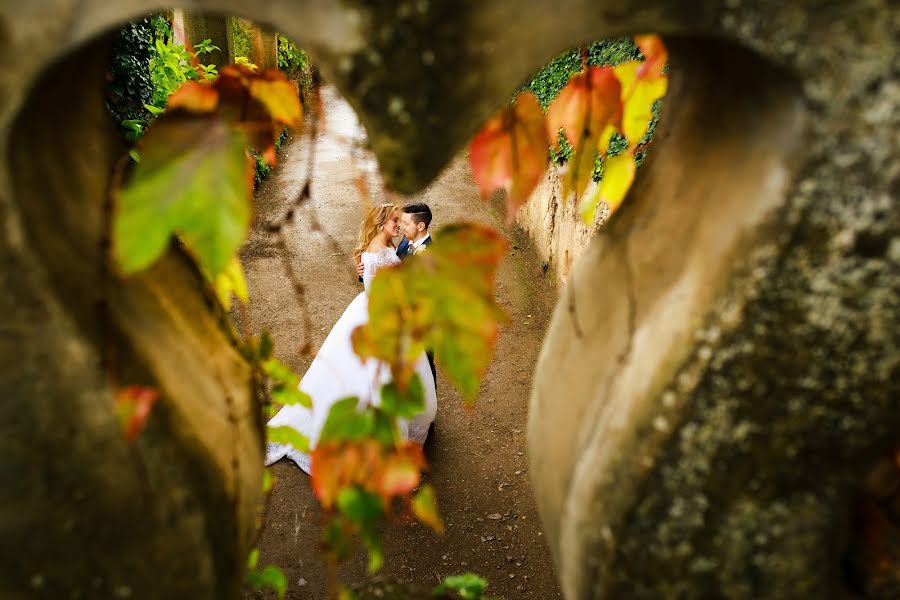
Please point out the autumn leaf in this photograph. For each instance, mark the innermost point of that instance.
(231, 283)
(194, 97)
(132, 406)
(384, 470)
(401, 470)
(279, 96)
(587, 110)
(655, 56)
(194, 179)
(586, 105)
(424, 506)
(510, 152)
(441, 299)
(618, 175)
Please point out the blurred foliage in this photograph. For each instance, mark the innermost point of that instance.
(241, 37)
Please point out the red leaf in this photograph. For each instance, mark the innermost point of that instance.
(589, 102)
(510, 152)
(384, 471)
(133, 404)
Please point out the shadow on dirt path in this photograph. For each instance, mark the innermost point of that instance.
(478, 456)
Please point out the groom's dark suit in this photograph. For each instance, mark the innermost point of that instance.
(405, 249)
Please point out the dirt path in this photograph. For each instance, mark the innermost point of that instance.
(477, 456)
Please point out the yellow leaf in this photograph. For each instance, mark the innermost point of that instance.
(637, 113)
(280, 98)
(627, 74)
(231, 282)
(424, 506)
(618, 174)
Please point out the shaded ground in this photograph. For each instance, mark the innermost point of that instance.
(478, 456)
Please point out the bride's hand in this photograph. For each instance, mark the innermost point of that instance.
(360, 268)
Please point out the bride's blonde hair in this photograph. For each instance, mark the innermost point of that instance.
(372, 225)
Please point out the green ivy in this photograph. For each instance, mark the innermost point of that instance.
(129, 85)
(549, 81)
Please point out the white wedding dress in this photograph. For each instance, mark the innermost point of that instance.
(337, 372)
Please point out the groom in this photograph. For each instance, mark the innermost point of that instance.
(414, 224)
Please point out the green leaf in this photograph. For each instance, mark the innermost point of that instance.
(372, 541)
(345, 423)
(231, 282)
(268, 481)
(253, 559)
(284, 434)
(271, 577)
(384, 429)
(360, 506)
(194, 181)
(403, 403)
(285, 389)
(155, 110)
(337, 539)
(443, 299)
(266, 345)
(135, 156)
(468, 585)
(424, 506)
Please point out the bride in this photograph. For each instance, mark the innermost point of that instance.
(337, 372)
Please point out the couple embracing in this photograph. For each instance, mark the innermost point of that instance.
(337, 372)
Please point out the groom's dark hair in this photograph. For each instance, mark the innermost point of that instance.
(420, 213)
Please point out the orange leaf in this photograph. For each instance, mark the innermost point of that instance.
(279, 96)
(133, 404)
(402, 471)
(194, 97)
(384, 471)
(655, 56)
(589, 102)
(510, 152)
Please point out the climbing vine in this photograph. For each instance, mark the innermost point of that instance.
(597, 106)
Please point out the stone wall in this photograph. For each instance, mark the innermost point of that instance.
(555, 225)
